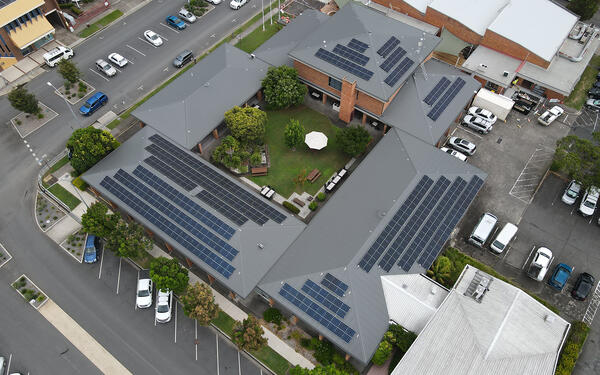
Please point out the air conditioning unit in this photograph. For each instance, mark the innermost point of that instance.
(505, 74)
(482, 67)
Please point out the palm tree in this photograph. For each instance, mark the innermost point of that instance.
(440, 270)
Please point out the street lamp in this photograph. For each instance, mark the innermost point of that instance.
(66, 102)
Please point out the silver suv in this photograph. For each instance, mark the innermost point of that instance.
(462, 145)
(477, 123)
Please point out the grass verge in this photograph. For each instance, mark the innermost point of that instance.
(58, 165)
(63, 194)
(224, 322)
(257, 37)
(100, 24)
(578, 96)
(272, 360)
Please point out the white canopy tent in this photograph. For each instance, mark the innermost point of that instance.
(315, 140)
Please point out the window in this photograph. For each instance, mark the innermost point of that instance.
(334, 83)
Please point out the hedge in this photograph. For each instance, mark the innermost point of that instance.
(272, 315)
(79, 183)
(313, 205)
(321, 197)
(291, 207)
(572, 348)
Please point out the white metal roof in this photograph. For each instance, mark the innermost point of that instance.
(477, 15)
(420, 5)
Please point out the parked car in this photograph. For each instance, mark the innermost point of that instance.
(93, 103)
(503, 238)
(237, 4)
(550, 115)
(571, 192)
(143, 297)
(483, 229)
(175, 22)
(54, 56)
(456, 154)
(583, 286)
(90, 254)
(2, 365)
(484, 114)
(594, 93)
(477, 123)
(540, 263)
(162, 312)
(104, 67)
(153, 38)
(593, 104)
(186, 15)
(215, 2)
(559, 277)
(522, 107)
(462, 145)
(117, 59)
(589, 201)
(183, 58)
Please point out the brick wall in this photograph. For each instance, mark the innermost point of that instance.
(500, 43)
(348, 99)
(402, 7)
(9, 43)
(314, 76)
(369, 103)
(440, 20)
(554, 95)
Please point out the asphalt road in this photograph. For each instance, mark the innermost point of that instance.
(110, 318)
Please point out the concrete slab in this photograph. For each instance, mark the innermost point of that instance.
(104, 120)
(27, 64)
(61, 230)
(37, 56)
(11, 74)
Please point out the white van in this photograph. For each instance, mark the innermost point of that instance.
(503, 238)
(483, 229)
(54, 56)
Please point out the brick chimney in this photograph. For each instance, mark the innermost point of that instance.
(347, 100)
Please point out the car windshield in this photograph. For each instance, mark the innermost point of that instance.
(589, 204)
(143, 293)
(106, 67)
(153, 36)
(87, 105)
(497, 244)
(162, 308)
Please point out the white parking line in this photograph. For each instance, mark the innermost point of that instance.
(8, 366)
(470, 132)
(144, 40)
(9, 256)
(101, 262)
(239, 364)
(136, 49)
(217, 339)
(162, 37)
(196, 338)
(176, 304)
(119, 275)
(100, 75)
(170, 28)
(136, 283)
(117, 70)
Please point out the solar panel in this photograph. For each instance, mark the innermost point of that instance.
(166, 208)
(227, 186)
(174, 176)
(441, 105)
(388, 47)
(435, 93)
(170, 229)
(357, 45)
(398, 72)
(456, 212)
(334, 284)
(184, 202)
(221, 207)
(325, 298)
(393, 226)
(393, 59)
(412, 225)
(351, 54)
(319, 314)
(344, 64)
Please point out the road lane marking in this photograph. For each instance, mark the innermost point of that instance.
(239, 364)
(217, 340)
(100, 75)
(8, 367)
(196, 337)
(101, 262)
(6, 252)
(176, 321)
(136, 49)
(119, 275)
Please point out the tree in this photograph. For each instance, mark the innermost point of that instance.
(23, 100)
(382, 353)
(128, 240)
(199, 303)
(318, 370)
(584, 8)
(69, 71)
(248, 334)
(168, 274)
(88, 146)
(294, 134)
(440, 270)
(246, 124)
(282, 87)
(353, 140)
(256, 159)
(228, 153)
(97, 221)
(579, 158)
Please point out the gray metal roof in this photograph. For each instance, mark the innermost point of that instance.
(250, 264)
(351, 221)
(275, 50)
(356, 21)
(408, 111)
(508, 333)
(194, 104)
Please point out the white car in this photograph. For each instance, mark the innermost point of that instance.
(540, 264)
(593, 104)
(462, 145)
(237, 4)
(153, 38)
(105, 68)
(456, 154)
(477, 123)
(162, 312)
(571, 192)
(187, 16)
(484, 114)
(589, 201)
(117, 59)
(215, 2)
(143, 297)
(550, 115)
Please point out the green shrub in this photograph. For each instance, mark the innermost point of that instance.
(272, 315)
(82, 86)
(79, 183)
(40, 115)
(305, 343)
(382, 353)
(396, 357)
(324, 352)
(572, 348)
(321, 197)
(76, 11)
(313, 205)
(291, 207)
(555, 166)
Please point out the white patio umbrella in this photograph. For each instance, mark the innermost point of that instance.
(315, 140)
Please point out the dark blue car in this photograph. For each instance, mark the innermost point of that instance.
(89, 254)
(175, 22)
(93, 103)
(561, 274)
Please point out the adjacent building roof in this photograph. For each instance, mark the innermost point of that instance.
(194, 104)
(408, 110)
(365, 46)
(16, 8)
(218, 223)
(424, 26)
(28, 33)
(391, 216)
(507, 332)
(420, 5)
(475, 14)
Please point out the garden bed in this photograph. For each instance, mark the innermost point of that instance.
(4, 256)
(291, 335)
(75, 92)
(75, 244)
(25, 123)
(46, 212)
(30, 292)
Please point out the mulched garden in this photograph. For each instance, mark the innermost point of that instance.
(29, 291)
(74, 244)
(46, 212)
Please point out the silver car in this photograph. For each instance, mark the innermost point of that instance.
(462, 145)
(105, 68)
(571, 192)
(477, 123)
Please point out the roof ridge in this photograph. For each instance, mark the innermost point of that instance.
(502, 324)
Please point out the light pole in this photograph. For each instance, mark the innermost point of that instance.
(66, 102)
(262, 4)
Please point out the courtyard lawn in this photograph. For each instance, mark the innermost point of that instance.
(64, 195)
(578, 96)
(257, 37)
(286, 164)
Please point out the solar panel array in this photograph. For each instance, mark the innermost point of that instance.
(398, 72)
(435, 93)
(351, 54)
(170, 229)
(221, 207)
(318, 313)
(174, 176)
(334, 284)
(325, 298)
(357, 45)
(446, 98)
(393, 59)
(393, 226)
(388, 46)
(344, 64)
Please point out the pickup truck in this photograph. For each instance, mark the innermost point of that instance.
(540, 263)
(550, 115)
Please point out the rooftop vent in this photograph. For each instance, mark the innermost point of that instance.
(260, 246)
(479, 286)
(252, 55)
(549, 318)
(482, 67)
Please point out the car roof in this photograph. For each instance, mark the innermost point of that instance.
(143, 282)
(96, 96)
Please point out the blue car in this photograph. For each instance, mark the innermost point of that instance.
(93, 103)
(175, 22)
(559, 277)
(89, 254)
